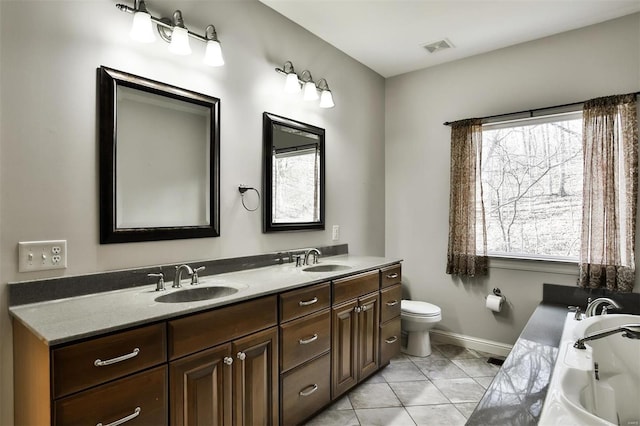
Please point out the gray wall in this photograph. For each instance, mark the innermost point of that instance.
(49, 52)
(574, 66)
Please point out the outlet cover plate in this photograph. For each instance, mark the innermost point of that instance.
(42, 255)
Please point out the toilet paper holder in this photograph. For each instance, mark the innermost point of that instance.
(496, 292)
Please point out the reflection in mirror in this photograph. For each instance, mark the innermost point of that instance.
(293, 175)
(159, 160)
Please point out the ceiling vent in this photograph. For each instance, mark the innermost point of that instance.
(438, 46)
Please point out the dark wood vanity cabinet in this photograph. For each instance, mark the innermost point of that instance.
(305, 333)
(272, 360)
(355, 329)
(233, 382)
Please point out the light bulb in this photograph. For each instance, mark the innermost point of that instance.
(213, 54)
(292, 86)
(142, 29)
(180, 42)
(326, 99)
(310, 91)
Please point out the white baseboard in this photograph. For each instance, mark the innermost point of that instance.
(489, 346)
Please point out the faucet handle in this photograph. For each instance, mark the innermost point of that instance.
(194, 278)
(576, 309)
(160, 283)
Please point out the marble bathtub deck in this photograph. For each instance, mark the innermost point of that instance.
(442, 389)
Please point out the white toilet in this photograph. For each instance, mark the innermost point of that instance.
(417, 319)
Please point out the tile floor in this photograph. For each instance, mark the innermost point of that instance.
(442, 389)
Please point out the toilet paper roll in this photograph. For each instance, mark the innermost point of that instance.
(494, 303)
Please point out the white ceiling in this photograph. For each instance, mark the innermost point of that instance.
(388, 35)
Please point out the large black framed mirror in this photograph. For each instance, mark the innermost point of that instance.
(159, 160)
(293, 181)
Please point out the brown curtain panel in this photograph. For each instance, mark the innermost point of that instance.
(610, 192)
(465, 257)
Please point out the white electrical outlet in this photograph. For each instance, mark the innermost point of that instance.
(335, 236)
(42, 255)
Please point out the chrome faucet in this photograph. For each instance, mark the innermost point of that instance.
(631, 331)
(178, 276)
(593, 305)
(316, 255)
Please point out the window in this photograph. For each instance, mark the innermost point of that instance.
(532, 187)
(294, 172)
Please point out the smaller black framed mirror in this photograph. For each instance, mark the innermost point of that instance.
(293, 180)
(159, 160)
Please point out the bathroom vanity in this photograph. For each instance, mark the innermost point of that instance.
(275, 352)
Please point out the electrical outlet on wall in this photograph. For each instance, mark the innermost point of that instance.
(335, 234)
(42, 255)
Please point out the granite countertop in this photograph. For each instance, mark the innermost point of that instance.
(65, 320)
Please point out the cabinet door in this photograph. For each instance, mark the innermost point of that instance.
(255, 382)
(368, 334)
(200, 388)
(344, 325)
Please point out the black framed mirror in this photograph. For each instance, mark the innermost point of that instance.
(159, 160)
(293, 180)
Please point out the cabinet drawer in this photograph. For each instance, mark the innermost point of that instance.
(305, 338)
(390, 302)
(391, 275)
(99, 360)
(297, 303)
(141, 397)
(389, 340)
(200, 331)
(355, 286)
(305, 390)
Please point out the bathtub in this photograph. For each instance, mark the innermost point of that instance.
(575, 396)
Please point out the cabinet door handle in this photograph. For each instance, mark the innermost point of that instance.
(391, 339)
(309, 390)
(308, 302)
(99, 363)
(392, 303)
(131, 416)
(309, 340)
(357, 309)
(241, 356)
(228, 360)
(392, 276)
(364, 308)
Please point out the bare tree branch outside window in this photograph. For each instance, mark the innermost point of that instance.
(532, 177)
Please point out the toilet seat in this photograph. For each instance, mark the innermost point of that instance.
(419, 309)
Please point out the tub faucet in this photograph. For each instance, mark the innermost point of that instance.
(630, 331)
(178, 276)
(593, 305)
(316, 255)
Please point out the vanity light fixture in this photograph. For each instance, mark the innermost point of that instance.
(326, 98)
(291, 84)
(173, 31)
(310, 89)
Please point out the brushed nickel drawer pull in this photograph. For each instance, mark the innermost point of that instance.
(309, 390)
(391, 339)
(132, 416)
(100, 363)
(308, 302)
(392, 303)
(309, 340)
(392, 276)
